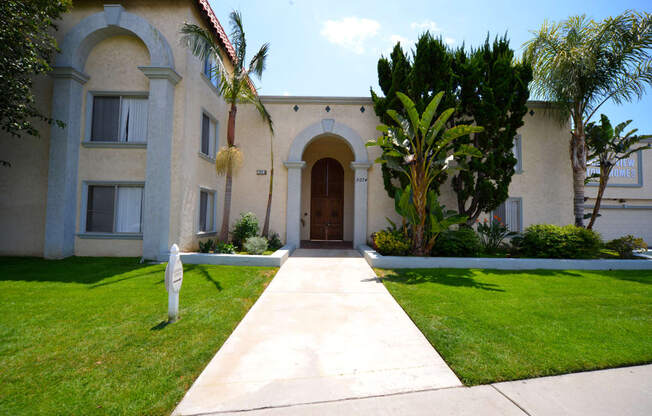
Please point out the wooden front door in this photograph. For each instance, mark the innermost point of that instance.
(327, 200)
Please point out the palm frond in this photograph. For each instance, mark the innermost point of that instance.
(200, 42)
(257, 64)
(238, 39)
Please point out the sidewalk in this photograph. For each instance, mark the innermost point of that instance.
(324, 330)
(615, 392)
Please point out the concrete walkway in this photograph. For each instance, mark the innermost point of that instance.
(325, 330)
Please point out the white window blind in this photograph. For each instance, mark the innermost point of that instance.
(133, 119)
(517, 151)
(128, 217)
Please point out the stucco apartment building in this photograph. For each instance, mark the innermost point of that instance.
(133, 171)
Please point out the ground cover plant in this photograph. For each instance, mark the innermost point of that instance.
(492, 325)
(88, 336)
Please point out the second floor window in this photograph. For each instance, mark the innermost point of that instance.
(119, 119)
(210, 71)
(208, 136)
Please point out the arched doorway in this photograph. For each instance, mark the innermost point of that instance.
(327, 200)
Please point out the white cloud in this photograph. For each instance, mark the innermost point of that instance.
(449, 41)
(425, 25)
(350, 32)
(405, 42)
(286, 93)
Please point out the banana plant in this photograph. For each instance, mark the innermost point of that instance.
(422, 150)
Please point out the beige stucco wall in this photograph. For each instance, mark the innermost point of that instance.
(23, 186)
(327, 146)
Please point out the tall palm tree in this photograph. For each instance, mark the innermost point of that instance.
(580, 64)
(235, 87)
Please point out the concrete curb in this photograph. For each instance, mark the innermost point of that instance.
(408, 262)
(276, 259)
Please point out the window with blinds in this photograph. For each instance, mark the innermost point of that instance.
(114, 209)
(119, 119)
(510, 213)
(208, 136)
(206, 211)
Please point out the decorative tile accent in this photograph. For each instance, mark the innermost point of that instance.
(327, 124)
(362, 109)
(295, 108)
(328, 109)
(532, 112)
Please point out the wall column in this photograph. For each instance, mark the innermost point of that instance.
(158, 173)
(61, 210)
(293, 209)
(360, 203)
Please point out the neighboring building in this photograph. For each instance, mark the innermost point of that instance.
(133, 171)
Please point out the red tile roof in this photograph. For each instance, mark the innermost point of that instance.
(205, 7)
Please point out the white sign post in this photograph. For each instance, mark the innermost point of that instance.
(173, 280)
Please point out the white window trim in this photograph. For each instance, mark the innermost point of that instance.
(213, 123)
(82, 233)
(88, 123)
(213, 193)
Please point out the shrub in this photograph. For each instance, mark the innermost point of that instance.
(391, 243)
(553, 241)
(274, 242)
(246, 226)
(625, 246)
(206, 246)
(492, 233)
(458, 243)
(255, 245)
(224, 248)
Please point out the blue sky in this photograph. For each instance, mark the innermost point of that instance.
(332, 47)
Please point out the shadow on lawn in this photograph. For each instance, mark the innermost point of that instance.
(448, 277)
(202, 271)
(85, 270)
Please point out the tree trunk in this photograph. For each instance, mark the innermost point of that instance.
(228, 187)
(604, 177)
(265, 232)
(578, 163)
(224, 232)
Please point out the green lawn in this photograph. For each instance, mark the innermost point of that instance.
(492, 325)
(88, 335)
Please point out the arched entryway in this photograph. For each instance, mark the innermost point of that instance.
(327, 200)
(355, 167)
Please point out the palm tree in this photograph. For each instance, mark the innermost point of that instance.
(235, 87)
(580, 64)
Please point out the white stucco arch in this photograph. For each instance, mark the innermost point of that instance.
(113, 21)
(69, 80)
(295, 164)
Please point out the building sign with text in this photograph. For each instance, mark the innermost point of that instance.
(627, 172)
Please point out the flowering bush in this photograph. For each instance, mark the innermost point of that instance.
(492, 233)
